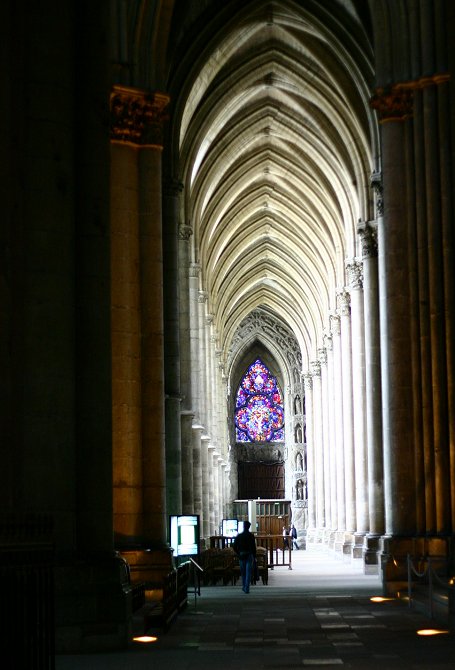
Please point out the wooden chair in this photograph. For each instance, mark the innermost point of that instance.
(262, 563)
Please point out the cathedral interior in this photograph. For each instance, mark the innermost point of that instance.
(227, 275)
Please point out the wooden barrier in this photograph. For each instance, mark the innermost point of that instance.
(161, 613)
(278, 555)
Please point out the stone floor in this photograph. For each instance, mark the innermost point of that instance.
(317, 615)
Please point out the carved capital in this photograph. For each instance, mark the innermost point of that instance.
(335, 324)
(354, 273)
(344, 302)
(369, 239)
(203, 296)
(322, 355)
(328, 341)
(376, 184)
(194, 269)
(185, 231)
(315, 367)
(393, 103)
(137, 116)
(307, 381)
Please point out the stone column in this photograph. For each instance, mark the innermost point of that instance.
(173, 297)
(152, 374)
(223, 466)
(185, 232)
(197, 472)
(311, 491)
(322, 358)
(137, 121)
(202, 300)
(394, 107)
(346, 369)
(219, 493)
(212, 379)
(126, 347)
(318, 442)
(194, 370)
(211, 487)
(331, 433)
(438, 284)
(368, 235)
(354, 272)
(335, 330)
(205, 441)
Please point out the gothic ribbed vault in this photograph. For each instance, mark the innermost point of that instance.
(275, 135)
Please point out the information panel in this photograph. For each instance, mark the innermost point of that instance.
(230, 527)
(184, 534)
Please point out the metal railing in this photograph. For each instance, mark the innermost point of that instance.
(427, 570)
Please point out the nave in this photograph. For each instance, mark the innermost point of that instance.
(319, 614)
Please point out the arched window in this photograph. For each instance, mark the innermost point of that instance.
(259, 413)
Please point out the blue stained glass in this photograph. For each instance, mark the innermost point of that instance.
(259, 415)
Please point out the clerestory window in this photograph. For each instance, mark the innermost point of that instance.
(259, 413)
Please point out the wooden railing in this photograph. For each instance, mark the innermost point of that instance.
(161, 614)
(278, 555)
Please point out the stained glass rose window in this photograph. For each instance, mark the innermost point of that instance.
(259, 414)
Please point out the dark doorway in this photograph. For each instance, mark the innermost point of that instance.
(260, 480)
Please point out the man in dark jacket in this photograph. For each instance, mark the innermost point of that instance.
(245, 547)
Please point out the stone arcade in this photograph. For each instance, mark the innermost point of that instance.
(190, 186)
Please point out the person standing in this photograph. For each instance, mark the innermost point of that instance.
(294, 537)
(244, 546)
(285, 538)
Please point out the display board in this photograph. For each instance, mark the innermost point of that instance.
(230, 527)
(184, 534)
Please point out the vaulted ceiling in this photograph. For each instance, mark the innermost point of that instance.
(276, 144)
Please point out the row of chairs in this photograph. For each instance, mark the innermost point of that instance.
(222, 566)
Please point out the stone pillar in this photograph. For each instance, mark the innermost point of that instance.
(331, 433)
(346, 368)
(224, 499)
(211, 487)
(212, 378)
(152, 374)
(205, 441)
(173, 297)
(185, 232)
(217, 496)
(202, 301)
(318, 442)
(438, 284)
(354, 272)
(395, 316)
(311, 490)
(322, 357)
(137, 121)
(335, 330)
(197, 473)
(126, 347)
(195, 366)
(368, 235)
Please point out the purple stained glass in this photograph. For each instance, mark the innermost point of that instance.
(259, 415)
